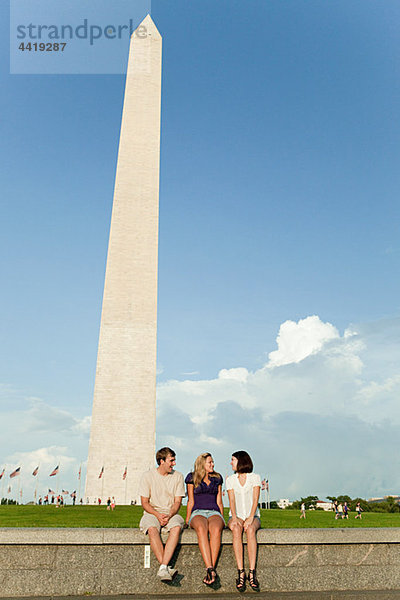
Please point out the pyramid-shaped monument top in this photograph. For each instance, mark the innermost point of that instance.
(149, 26)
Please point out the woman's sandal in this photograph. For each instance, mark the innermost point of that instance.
(210, 577)
(253, 581)
(241, 580)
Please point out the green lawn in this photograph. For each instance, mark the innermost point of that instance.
(129, 516)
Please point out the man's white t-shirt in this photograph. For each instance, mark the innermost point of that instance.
(161, 489)
(243, 493)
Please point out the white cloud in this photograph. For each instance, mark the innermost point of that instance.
(321, 415)
(238, 374)
(298, 340)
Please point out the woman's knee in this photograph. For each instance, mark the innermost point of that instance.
(251, 530)
(215, 529)
(199, 524)
(236, 528)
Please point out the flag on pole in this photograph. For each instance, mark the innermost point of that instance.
(51, 491)
(125, 473)
(9, 489)
(16, 472)
(2, 473)
(35, 472)
(267, 485)
(263, 484)
(73, 494)
(54, 472)
(101, 472)
(64, 491)
(79, 474)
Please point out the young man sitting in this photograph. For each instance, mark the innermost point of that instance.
(161, 490)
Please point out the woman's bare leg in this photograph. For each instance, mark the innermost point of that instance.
(237, 535)
(252, 543)
(215, 527)
(200, 525)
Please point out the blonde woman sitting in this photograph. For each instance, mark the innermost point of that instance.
(244, 491)
(205, 511)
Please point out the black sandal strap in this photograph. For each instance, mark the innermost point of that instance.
(253, 581)
(241, 580)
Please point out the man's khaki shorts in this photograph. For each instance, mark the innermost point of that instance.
(149, 520)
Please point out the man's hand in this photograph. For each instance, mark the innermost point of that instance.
(163, 519)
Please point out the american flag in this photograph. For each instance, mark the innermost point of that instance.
(101, 472)
(2, 473)
(9, 489)
(16, 472)
(263, 484)
(125, 473)
(72, 494)
(35, 472)
(79, 474)
(267, 485)
(51, 491)
(54, 472)
(64, 491)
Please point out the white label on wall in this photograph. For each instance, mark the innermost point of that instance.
(147, 557)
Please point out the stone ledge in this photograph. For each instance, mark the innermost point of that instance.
(94, 536)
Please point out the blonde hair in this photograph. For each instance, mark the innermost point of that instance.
(199, 470)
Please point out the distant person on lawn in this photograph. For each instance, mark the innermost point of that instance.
(161, 491)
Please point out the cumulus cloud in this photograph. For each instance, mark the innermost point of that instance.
(37, 433)
(298, 340)
(320, 416)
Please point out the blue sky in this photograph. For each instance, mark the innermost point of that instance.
(279, 233)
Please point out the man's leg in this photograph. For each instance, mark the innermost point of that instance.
(171, 544)
(156, 544)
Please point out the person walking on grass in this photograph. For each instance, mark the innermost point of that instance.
(161, 491)
(243, 489)
(205, 511)
(335, 506)
(302, 511)
(358, 511)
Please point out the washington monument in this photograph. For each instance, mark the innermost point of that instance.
(122, 438)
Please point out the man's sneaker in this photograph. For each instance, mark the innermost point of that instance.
(172, 571)
(164, 574)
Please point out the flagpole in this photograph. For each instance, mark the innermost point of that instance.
(36, 485)
(2, 483)
(126, 482)
(102, 485)
(79, 478)
(19, 488)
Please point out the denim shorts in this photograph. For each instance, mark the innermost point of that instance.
(205, 513)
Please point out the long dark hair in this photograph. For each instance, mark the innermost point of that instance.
(244, 462)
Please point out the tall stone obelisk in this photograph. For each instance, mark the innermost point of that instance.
(122, 438)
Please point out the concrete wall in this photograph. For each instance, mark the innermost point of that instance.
(43, 562)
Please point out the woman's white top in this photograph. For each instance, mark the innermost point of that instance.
(243, 493)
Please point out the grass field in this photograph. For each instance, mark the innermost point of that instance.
(129, 516)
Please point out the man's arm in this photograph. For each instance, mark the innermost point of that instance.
(163, 519)
(175, 507)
